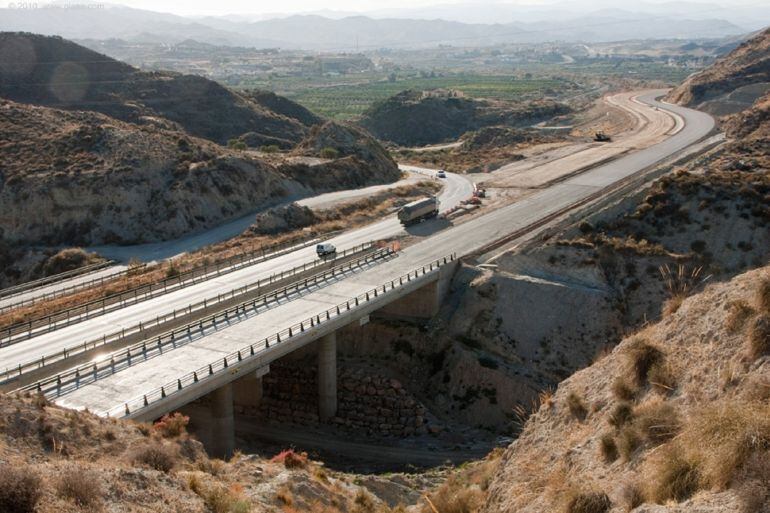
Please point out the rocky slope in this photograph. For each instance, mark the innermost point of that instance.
(55, 72)
(733, 82)
(413, 118)
(71, 177)
(675, 418)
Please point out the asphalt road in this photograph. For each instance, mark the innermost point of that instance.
(456, 188)
(441, 239)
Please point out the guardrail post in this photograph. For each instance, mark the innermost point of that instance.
(195, 376)
(179, 384)
(163, 392)
(328, 315)
(211, 370)
(128, 412)
(145, 400)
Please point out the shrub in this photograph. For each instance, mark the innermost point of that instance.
(737, 314)
(628, 441)
(661, 377)
(591, 502)
(329, 153)
(608, 448)
(576, 406)
(641, 358)
(291, 459)
(219, 499)
(763, 294)
(235, 144)
(631, 496)
(20, 489)
(269, 148)
(675, 477)
(658, 421)
(622, 389)
(455, 500)
(155, 456)
(759, 337)
(621, 415)
(81, 486)
(172, 426)
(363, 502)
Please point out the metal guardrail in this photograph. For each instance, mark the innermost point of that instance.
(18, 371)
(206, 372)
(98, 307)
(41, 282)
(163, 341)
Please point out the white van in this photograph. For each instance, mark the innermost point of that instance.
(325, 248)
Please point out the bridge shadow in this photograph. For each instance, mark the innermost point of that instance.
(428, 228)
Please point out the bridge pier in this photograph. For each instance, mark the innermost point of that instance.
(222, 439)
(247, 391)
(327, 376)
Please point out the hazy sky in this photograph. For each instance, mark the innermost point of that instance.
(222, 7)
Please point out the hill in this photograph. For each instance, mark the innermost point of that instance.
(733, 83)
(57, 73)
(95, 179)
(677, 415)
(413, 118)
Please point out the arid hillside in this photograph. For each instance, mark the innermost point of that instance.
(94, 179)
(733, 82)
(413, 118)
(55, 72)
(675, 418)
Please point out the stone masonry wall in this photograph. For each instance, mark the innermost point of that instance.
(370, 403)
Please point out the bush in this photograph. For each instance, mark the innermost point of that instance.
(658, 421)
(235, 144)
(172, 426)
(592, 502)
(759, 337)
(291, 459)
(219, 499)
(81, 486)
(763, 294)
(628, 441)
(20, 489)
(675, 478)
(621, 415)
(641, 358)
(270, 148)
(155, 456)
(576, 406)
(737, 314)
(608, 448)
(622, 389)
(632, 496)
(329, 153)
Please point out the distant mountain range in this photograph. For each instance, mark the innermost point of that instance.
(314, 32)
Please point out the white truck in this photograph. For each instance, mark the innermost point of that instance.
(418, 211)
(325, 249)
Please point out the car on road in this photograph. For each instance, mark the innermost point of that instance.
(325, 249)
(441, 173)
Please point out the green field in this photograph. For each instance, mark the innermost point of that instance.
(348, 96)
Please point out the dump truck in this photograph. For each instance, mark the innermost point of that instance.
(418, 211)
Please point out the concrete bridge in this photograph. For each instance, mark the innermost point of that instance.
(224, 357)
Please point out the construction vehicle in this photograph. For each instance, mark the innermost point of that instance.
(418, 211)
(601, 137)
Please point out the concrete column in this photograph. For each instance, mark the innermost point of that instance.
(222, 423)
(327, 377)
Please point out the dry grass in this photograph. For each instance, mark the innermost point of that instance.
(589, 502)
(631, 496)
(284, 496)
(20, 489)
(738, 312)
(155, 456)
(576, 406)
(676, 477)
(657, 420)
(172, 425)
(758, 341)
(763, 295)
(621, 415)
(291, 459)
(219, 499)
(640, 358)
(464, 491)
(623, 390)
(629, 440)
(680, 283)
(80, 486)
(608, 448)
